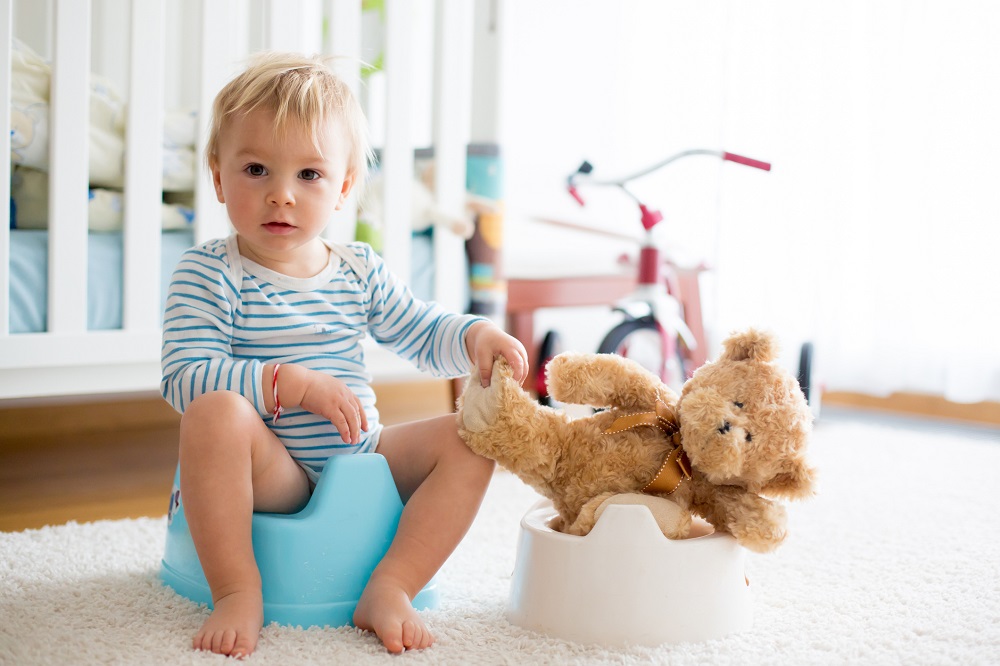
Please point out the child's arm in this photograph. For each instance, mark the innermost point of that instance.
(485, 341)
(423, 333)
(319, 393)
(197, 355)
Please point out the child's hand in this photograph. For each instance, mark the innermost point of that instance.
(324, 395)
(485, 342)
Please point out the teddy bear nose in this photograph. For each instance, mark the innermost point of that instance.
(725, 428)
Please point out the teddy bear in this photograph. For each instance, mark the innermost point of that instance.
(425, 211)
(727, 449)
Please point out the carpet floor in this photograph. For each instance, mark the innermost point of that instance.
(894, 561)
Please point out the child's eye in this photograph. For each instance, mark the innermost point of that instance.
(255, 170)
(309, 174)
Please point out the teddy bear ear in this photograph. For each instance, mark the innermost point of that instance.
(750, 345)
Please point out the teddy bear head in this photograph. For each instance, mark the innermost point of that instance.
(744, 421)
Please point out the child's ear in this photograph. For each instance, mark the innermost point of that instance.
(345, 188)
(217, 181)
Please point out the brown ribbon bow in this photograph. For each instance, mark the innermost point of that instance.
(676, 468)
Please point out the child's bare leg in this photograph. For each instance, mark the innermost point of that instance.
(231, 464)
(442, 484)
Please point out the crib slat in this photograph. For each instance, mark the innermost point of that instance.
(343, 36)
(293, 26)
(452, 118)
(68, 175)
(6, 42)
(397, 155)
(218, 62)
(144, 166)
(343, 39)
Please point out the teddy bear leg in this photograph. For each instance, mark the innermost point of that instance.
(604, 380)
(586, 518)
(480, 408)
(673, 521)
(502, 422)
(556, 523)
(501, 404)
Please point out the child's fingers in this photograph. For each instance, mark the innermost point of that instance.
(522, 371)
(518, 360)
(340, 422)
(362, 417)
(485, 362)
(348, 423)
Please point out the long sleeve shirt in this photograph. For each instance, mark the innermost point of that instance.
(227, 316)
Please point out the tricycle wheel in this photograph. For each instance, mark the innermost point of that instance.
(551, 345)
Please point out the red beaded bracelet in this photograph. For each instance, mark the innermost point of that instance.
(278, 410)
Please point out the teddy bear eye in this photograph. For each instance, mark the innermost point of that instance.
(749, 438)
(739, 404)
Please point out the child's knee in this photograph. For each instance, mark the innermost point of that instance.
(216, 406)
(215, 417)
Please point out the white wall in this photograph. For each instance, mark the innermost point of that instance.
(617, 88)
(875, 234)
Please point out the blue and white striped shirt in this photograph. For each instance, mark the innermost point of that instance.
(227, 316)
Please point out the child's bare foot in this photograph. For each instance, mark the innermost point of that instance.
(386, 609)
(234, 625)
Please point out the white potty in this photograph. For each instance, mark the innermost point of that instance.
(627, 584)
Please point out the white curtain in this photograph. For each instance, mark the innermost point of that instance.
(875, 236)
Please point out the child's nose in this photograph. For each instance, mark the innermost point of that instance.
(281, 195)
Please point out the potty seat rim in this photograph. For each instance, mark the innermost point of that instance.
(535, 519)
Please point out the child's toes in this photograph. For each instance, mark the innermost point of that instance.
(410, 635)
(416, 636)
(392, 637)
(426, 638)
(226, 642)
(203, 641)
(243, 647)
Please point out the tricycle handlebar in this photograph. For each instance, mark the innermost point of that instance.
(748, 161)
(582, 174)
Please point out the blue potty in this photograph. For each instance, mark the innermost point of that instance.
(313, 564)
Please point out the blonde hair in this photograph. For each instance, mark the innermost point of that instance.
(297, 89)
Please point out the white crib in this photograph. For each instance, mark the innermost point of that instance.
(67, 359)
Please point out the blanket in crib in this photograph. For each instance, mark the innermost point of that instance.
(29, 205)
(30, 84)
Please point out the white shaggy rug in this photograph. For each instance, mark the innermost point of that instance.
(897, 560)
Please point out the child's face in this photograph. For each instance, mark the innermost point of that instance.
(280, 191)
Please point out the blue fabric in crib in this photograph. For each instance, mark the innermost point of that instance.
(29, 265)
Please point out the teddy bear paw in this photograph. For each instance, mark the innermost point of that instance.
(480, 405)
(761, 538)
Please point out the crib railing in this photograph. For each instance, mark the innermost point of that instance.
(6, 31)
(67, 359)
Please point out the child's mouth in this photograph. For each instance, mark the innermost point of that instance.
(279, 227)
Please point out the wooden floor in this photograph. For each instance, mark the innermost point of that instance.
(926, 406)
(88, 476)
(117, 459)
